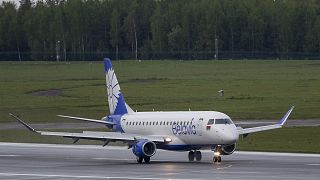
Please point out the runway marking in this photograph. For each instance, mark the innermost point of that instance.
(226, 167)
(9, 155)
(313, 164)
(276, 154)
(113, 159)
(74, 176)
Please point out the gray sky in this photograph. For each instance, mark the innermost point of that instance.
(16, 1)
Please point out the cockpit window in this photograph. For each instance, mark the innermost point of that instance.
(211, 121)
(223, 121)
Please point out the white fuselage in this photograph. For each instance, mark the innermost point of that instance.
(183, 128)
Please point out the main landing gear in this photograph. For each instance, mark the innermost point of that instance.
(146, 160)
(195, 155)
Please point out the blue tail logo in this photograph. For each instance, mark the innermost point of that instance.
(117, 105)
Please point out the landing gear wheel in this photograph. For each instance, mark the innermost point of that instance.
(191, 156)
(216, 159)
(139, 160)
(147, 160)
(198, 155)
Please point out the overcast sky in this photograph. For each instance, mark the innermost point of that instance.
(16, 1)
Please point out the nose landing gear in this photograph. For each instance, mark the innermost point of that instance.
(217, 155)
(195, 155)
(216, 159)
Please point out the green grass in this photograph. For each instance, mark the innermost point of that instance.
(297, 139)
(253, 89)
(288, 139)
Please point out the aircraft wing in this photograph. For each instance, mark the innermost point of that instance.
(93, 135)
(247, 131)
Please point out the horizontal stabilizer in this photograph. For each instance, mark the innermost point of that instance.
(87, 119)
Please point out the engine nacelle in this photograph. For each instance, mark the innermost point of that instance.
(144, 148)
(228, 149)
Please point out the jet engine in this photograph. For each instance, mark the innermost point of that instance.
(227, 149)
(144, 148)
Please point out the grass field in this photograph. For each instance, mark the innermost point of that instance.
(253, 89)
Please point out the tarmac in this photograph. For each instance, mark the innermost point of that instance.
(47, 161)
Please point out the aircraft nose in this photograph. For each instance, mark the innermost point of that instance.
(230, 136)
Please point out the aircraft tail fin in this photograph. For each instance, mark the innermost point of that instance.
(117, 104)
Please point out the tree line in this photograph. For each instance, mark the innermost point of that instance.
(159, 29)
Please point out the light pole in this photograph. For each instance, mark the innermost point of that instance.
(216, 45)
(58, 50)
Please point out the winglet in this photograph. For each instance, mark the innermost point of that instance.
(23, 123)
(285, 117)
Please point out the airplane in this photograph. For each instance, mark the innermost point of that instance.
(145, 132)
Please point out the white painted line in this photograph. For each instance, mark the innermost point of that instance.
(8, 155)
(276, 154)
(113, 159)
(72, 176)
(225, 167)
(313, 164)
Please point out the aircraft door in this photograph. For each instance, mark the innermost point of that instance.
(199, 126)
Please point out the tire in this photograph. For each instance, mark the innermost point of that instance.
(147, 160)
(191, 156)
(139, 160)
(198, 155)
(215, 159)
